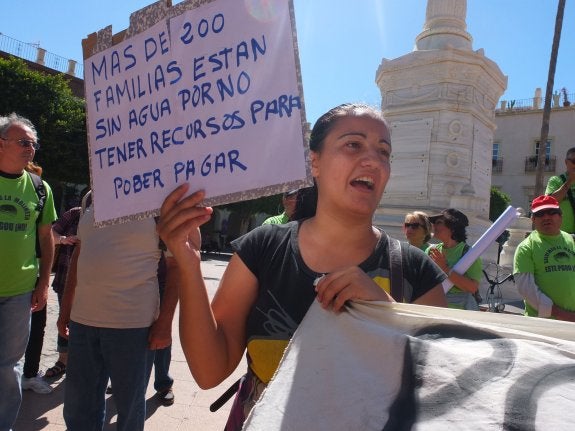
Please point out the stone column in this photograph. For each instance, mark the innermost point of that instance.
(71, 67)
(440, 100)
(40, 55)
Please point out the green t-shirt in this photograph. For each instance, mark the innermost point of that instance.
(18, 262)
(475, 271)
(568, 224)
(551, 260)
(279, 219)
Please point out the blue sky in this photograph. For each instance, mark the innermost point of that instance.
(342, 42)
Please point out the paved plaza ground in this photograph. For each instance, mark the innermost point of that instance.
(190, 410)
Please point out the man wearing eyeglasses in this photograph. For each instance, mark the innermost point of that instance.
(544, 264)
(24, 277)
(562, 188)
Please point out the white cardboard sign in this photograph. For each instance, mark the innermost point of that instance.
(211, 97)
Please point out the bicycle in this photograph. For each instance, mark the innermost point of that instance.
(494, 296)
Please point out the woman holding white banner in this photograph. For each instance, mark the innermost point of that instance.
(277, 271)
(449, 228)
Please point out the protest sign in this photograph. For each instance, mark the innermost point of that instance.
(208, 95)
(382, 366)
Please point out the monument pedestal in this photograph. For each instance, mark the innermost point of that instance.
(440, 103)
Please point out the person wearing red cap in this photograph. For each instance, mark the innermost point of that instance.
(562, 188)
(544, 264)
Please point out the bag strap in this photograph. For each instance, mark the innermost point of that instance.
(395, 268)
(41, 193)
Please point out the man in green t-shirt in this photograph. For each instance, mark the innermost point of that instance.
(562, 188)
(24, 276)
(289, 200)
(544, 264)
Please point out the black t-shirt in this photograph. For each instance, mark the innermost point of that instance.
(286, 290)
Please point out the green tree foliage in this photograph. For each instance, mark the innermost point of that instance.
(499, 201)
(58, 115)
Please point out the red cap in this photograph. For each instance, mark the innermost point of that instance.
(544, 202)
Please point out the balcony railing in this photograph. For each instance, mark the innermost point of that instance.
(558, 100)
(497, 165)
(531, 163)
(33, 52)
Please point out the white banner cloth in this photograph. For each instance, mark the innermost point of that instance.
(384, 366)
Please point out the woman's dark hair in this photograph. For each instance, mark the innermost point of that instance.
(458, 232)
(306, 203)
(326, 122)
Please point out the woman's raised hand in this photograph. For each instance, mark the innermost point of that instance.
(180, 221)
(439, 258)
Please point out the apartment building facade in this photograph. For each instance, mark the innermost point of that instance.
(516, 145)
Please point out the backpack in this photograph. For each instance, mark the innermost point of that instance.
(41, 193)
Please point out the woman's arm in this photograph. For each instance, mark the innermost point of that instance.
(68, 294)
(212, 335)
(462, 281)
(435, 297)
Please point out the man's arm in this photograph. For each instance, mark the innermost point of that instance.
(542, 303)
(529, 290)
(161, 330)
(68, 294)
(562, 314)
(560, 193)
(40, 294)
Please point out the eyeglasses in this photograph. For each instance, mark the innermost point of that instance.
(551, 212)
(24, 143)
(411, 225)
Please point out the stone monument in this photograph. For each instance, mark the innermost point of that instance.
(440, 102)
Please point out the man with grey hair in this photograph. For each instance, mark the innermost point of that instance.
(26, 253)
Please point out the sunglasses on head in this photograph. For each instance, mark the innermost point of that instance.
(551, 211)
(411, 225)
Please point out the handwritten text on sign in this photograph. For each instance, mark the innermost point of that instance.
(210, 97)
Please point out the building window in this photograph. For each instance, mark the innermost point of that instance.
(496, 160)
(549, 161)
(547, 149)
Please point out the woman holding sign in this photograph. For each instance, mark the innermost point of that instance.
(277, 271)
